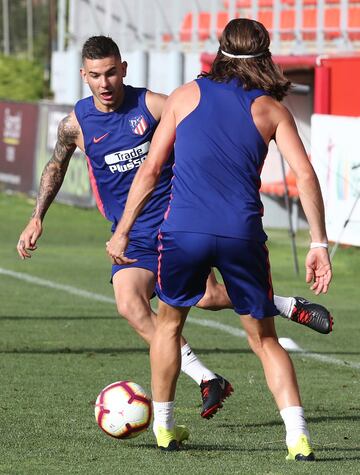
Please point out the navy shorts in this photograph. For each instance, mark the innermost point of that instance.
(144, 249)
(185, 261)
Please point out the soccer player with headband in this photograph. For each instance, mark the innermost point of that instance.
(221, 125)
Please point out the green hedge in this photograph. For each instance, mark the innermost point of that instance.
(20, 79)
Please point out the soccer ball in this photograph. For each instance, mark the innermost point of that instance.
(123, 410)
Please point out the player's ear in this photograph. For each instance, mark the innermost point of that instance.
(83, 75)
(124, 65)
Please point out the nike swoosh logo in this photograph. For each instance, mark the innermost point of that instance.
(98, 139)
(222, 383)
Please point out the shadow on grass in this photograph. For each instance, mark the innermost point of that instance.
(334, 457)
(327, 352)
(338, 459)
(273, 449)
(50, 318)
(205, 351)
(104, 351)
(218, 448)
(355, 417)
(73, 351)
(280, 423)
(199, 351)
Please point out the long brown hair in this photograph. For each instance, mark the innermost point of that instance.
(248, 37)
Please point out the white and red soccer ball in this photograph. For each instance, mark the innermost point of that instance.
(123, 410)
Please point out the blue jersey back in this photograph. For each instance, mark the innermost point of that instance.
(219, 154)
(116, 143)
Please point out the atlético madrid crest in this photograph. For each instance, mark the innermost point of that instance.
(138, 125)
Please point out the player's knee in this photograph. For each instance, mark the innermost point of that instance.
(125, 308)
(207, 301)
(254, 343)
(169, 325)
(261, 344)
(215, 298)
(257, 343)
(171, 328)
(136, 314)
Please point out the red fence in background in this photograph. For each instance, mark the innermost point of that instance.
(331, 28)
(17, 146)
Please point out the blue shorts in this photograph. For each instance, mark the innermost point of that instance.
(144, 249)
(185, 261)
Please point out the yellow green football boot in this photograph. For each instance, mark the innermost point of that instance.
(170, 440)
(302, 451)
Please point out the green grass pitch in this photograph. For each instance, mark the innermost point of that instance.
(59, 349)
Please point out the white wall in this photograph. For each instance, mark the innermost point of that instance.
(165, 71)
(65, 76)
(137, 70)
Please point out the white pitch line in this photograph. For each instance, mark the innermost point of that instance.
(53, 285)
(285, 342)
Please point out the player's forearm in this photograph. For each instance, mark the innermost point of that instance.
(50, 183)
(313, 206)
(144, 184)
(55, 170)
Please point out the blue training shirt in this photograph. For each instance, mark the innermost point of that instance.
(116, 143)
(219, 154)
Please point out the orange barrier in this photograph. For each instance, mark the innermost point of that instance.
(270, 3)
(277, 188)
(332, 27)
(204, 20)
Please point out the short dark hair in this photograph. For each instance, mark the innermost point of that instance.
(99, 47)
(248, 37)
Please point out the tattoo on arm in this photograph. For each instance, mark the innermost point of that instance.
(55, 170)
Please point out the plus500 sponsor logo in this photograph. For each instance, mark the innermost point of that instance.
(126, 160)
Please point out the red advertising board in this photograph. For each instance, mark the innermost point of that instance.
(344, 91)
(17, 145)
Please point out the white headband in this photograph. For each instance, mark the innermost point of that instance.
(242, 56)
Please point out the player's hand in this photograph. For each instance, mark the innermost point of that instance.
(116, 248)
(318, 270)
(28, 238)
